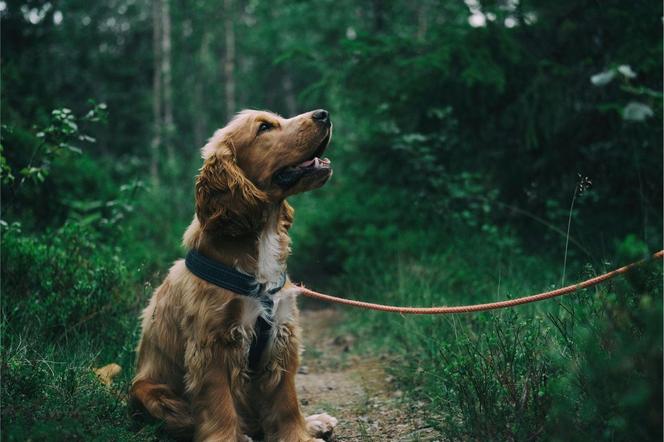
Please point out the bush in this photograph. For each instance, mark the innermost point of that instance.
(52, 396)
(63, 281)
(82, 237)
(585, 367)
(609, 380)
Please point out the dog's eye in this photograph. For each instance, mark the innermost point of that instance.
(264, 127)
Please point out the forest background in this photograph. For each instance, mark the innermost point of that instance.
(482, 149)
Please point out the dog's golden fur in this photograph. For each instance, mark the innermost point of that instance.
(192, 358)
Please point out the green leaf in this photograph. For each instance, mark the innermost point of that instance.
(71, 148)
(636, 111)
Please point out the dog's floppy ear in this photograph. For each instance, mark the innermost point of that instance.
(226, 200)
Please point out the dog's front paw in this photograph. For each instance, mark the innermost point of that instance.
(321, 425)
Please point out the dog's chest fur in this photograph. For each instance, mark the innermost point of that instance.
(273, 246)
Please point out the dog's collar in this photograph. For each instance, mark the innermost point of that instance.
(227, 277)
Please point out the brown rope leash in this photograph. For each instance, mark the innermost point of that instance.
(479, 307)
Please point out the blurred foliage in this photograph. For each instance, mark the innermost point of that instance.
(48, 399)
(610, 381)
(41, 269)
(463, 133)
(585, 367)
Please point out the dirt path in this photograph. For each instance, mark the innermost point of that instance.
(356, 390)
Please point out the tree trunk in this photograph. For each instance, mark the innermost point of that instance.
(169, 126)
(422, 20)
(229, 59)
(156, 91)
(291, 102)
(199, 115)
(378, 15)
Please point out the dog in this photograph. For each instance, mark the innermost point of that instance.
(214, 364)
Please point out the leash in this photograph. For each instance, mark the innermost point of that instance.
(445, 310)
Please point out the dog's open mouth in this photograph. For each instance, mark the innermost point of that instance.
(314, 165)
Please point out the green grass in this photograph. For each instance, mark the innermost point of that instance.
(587, 366)
(71, 297)
(52, 394)
(583, 367)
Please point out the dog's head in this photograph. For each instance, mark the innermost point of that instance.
(259, 158)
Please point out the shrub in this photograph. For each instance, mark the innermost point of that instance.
(586, 367)
(48, 398)
(62, 281)
(609, 380)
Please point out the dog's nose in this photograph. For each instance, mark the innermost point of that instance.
(321, 115)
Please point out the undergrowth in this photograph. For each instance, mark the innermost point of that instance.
(82, 245)
(456, 151)
(78, 267)
(584, 367)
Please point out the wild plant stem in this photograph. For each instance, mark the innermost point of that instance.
(536, 218)
(569, 225)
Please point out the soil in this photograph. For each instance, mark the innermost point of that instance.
(354, 388)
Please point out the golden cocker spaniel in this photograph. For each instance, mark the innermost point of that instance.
(217, 364)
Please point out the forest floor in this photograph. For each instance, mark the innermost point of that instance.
(355, 388)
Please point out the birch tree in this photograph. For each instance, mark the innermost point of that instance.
(166, 70)
(229, 58)
(156, 90)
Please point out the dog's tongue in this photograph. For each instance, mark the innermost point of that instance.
(314, 163)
